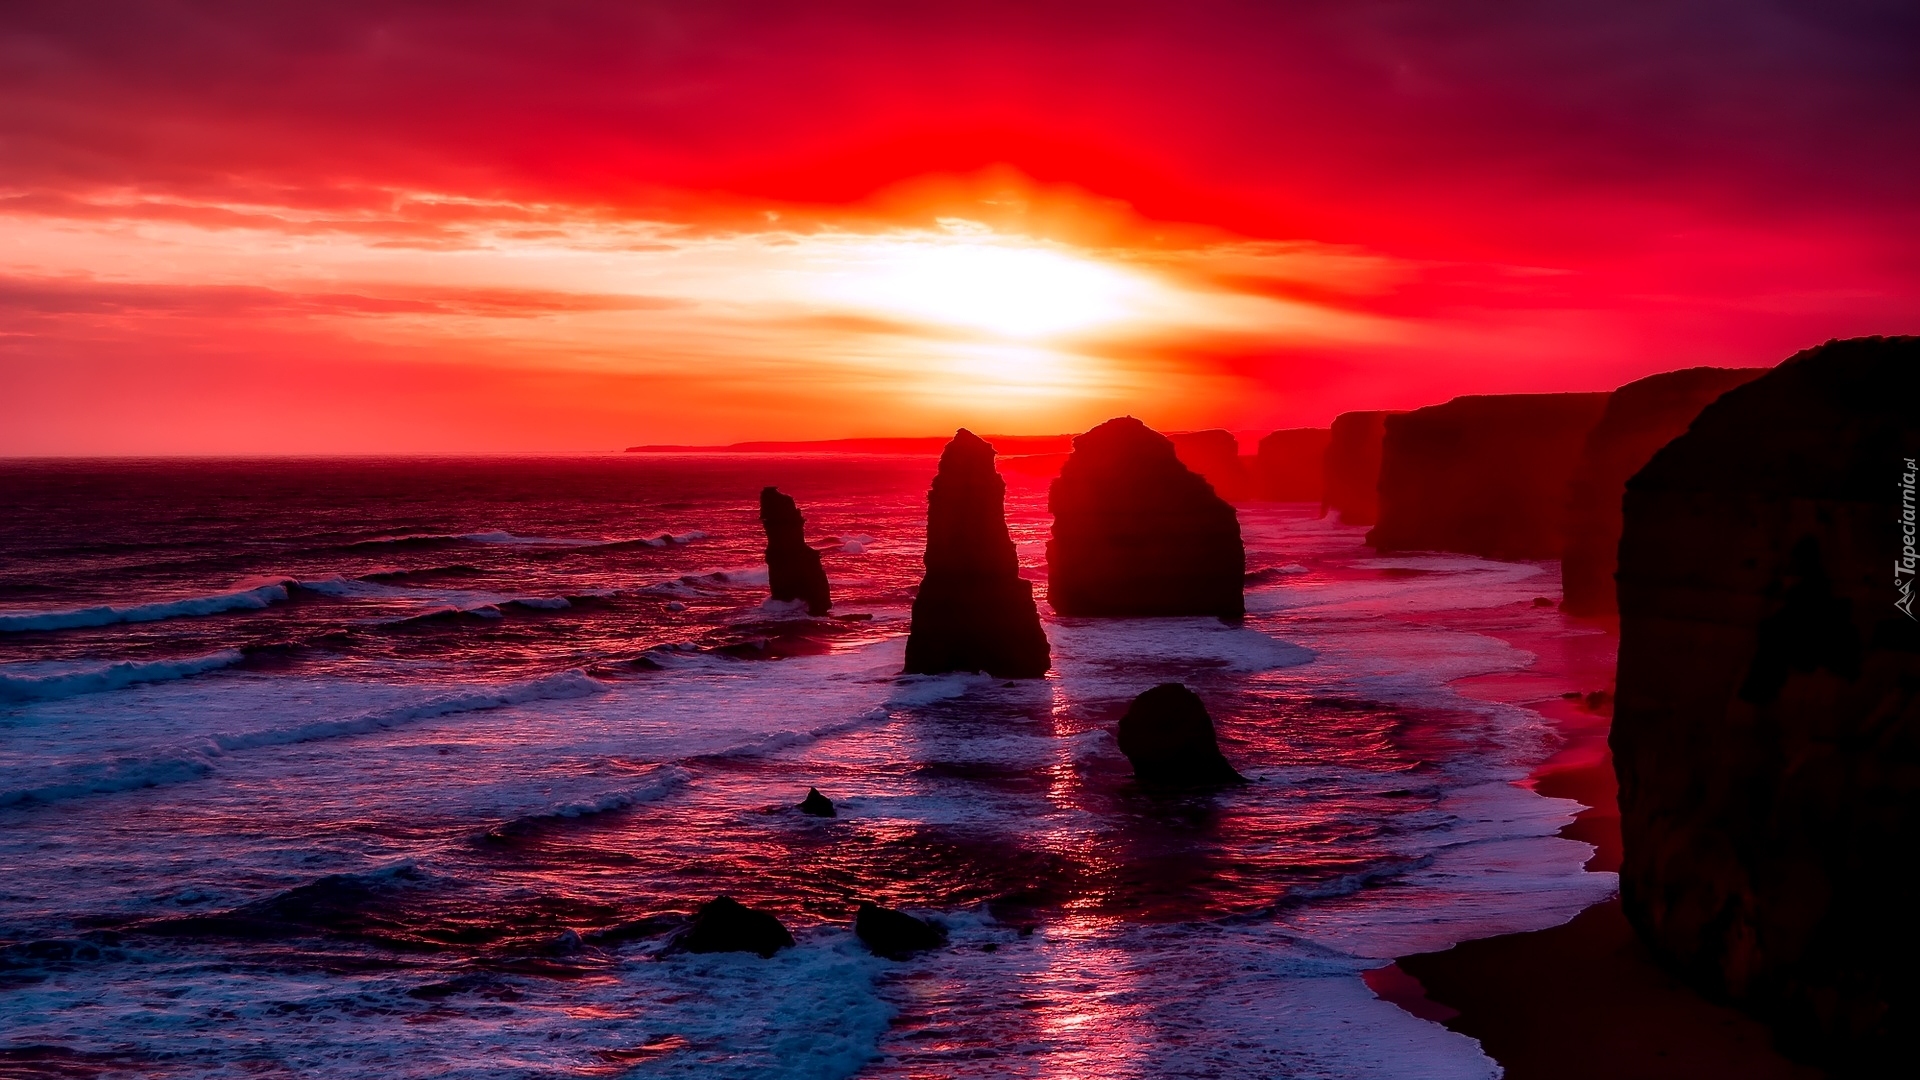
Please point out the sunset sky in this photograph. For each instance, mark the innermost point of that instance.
(365, 227)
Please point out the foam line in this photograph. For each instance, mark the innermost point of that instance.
(253, 599)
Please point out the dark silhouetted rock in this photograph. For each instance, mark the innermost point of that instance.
(1641, 417)
(1292, 465)
(1483, 475)
(1350, 486)
(974, 612)
(1136, 533)
(1215, 455)
(895, 935)
(1168, 737)
(726, 925)
(817, 804)
(793, 568)
(1766, 727)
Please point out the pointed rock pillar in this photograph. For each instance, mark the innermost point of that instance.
(974, 611)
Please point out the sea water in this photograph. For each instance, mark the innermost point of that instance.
(409, 767)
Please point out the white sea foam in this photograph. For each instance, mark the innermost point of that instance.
(1239, 997)
(49, 760)
(566, 684)
(811, 1012)
(110, 777)
(50, 681)
(249, 599)
(660, 784)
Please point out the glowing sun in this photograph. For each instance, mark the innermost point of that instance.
(1012, 291)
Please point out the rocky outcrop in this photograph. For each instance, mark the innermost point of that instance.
(1483, 475)
(1136, 533)
(1641, 417)
(816, 804)
(1291, 466)
(974, 612)
(726, 925)
(1350, 486)
(793, 569)
(895, 935)
(1215, 455)
(1169, 738)
(1766, 728)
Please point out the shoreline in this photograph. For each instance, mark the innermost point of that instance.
(1584, 999)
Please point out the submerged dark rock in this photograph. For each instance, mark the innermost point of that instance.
(1350, 475)
(816, 804)
(1169, 738)
(793, 569)
(1292, 465)
(1641, 417)
(895, 935)
(1483, 475)
(1136, 533)
(974, 612)
(1766, 730)
(726, 925)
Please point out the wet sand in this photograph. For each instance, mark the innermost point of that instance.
(1584, 999)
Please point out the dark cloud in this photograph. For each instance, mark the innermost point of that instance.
(1329, 119)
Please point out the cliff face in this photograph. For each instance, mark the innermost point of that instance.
(1641, 417)
(1767, 725)
(1483, 475)
(974, 611)
(1215, 455)
(1292, 465)
(1136, 533)
(1350, 485)
(793, 569)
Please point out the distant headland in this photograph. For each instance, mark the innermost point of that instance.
(930, 445)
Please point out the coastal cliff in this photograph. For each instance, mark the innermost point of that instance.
(1215, 455)
(1641, 417)
(1136, 533)
(1291, 465)
(793, 569)
(974, 612)
(1766, 731)
(1482, 475)
(1350, 474)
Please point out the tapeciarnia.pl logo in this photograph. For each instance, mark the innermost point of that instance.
(1903, 567)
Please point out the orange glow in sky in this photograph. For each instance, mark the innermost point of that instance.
(366, 229)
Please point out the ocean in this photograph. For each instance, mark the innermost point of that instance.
(408, 767)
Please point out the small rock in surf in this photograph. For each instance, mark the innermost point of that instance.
(726, 925)
(895, 935)
(1169, 738)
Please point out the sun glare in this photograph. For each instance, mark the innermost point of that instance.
(1019, 292)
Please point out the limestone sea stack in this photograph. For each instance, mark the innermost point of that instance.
(1215, 455)
(974, 611)
(1641, 417)
(1766, 730)
(1291, 466)
(1170, 740)
(1483, 475)
(1135, 533)
(1350, 487)
(793, 569)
